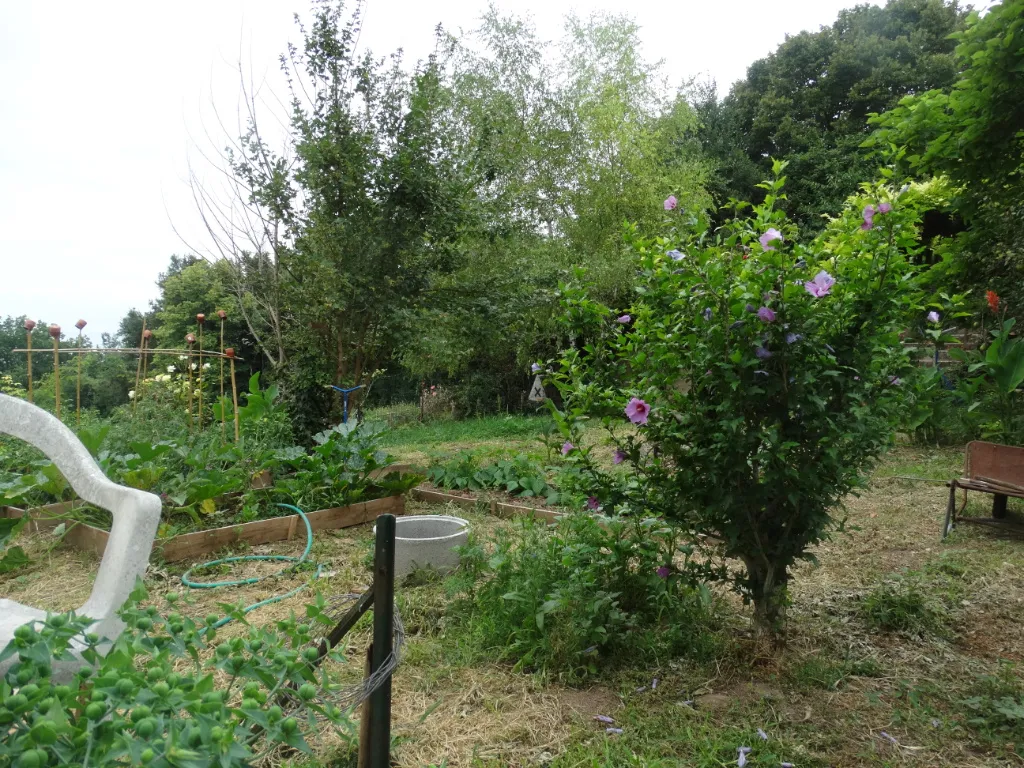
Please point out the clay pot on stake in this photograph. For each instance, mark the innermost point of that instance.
(223, 411)
(190, 339)
(29, 325)
(78, 386)
(55, 335)
(200, 320)
(230, 354)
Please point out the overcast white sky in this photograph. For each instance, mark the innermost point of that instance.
(100, 103)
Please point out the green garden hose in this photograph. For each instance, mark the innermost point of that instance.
(186, 579)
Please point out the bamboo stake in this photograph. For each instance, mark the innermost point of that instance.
(146, 336)
(190, 339)
(29, 325)
(200, 320)
(230, 352)
(55, 335)
(223, 410)
(138, 368)
(78, 386)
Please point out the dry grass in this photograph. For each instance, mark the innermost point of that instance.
(826, 699)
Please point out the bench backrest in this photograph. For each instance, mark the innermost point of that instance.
(995, 461)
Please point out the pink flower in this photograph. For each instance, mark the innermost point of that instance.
(593, 504)
(768, 237)
(663, 571)
(671, 203)
(933, 316)
(884, 207)
(766, 315)
(623, 319)
(820, 285)
(567, 448)
(869, 217)
(638, 411)
(619, 456)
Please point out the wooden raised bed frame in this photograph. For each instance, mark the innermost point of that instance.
(193, 545)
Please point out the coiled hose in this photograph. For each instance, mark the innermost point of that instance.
(186, 578)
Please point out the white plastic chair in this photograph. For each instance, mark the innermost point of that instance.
(136, 515)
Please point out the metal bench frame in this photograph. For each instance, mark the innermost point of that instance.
(988, 468)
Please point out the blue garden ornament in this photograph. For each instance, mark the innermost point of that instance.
(344, 400)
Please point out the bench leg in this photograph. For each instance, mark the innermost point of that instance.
(947, 526)
(999, 506)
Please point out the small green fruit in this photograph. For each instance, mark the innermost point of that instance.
(17, 702)
(44, 732)
(172, 597)
(311, 654)
(147, 756)
(24, 676)
(289, 725)
(125, 686)
(274, 714)
(212, 618)
(307, 691)
(29, 759)
(145, 728)
(140, 713)
(29, 690)
(217, 733)
(161, 689)
(24, 632)
(95, 711)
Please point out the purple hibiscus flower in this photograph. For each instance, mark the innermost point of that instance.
(820, 285)
(619, 456)
(663, 571)
(676, 255)
(567, 448)
(708, 313)
(766, 315)
(769, 237)
(623, 319)
(535, 368)
(671, 203)
(638, 411)
(869, 217)
(750, 308)
(762, 353)
(884, 208)
(793, 338)
(593, 504)
(933, 316)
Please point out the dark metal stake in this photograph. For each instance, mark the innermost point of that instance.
(383, 638)
(999, 506)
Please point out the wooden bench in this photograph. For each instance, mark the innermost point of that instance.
(988, 468)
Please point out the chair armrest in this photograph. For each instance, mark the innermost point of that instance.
(136, 514)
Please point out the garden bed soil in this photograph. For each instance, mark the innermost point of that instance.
(190, 545)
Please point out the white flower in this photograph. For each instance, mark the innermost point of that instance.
(206, 366)
(131, 394)
(195, 366)
(170, 369)
(183, 357)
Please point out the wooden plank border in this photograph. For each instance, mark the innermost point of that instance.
(495, 508)
(191, 545)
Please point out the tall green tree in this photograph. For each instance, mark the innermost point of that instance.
(973, 133)
(808, 103)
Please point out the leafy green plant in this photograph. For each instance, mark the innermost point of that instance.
(908, 603)
(761, 377)
(165, 694)
(562, 598)
(520, 476)
(996, 707)
(995, 393)
(11, 557)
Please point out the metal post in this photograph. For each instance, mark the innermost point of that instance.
(383, 639)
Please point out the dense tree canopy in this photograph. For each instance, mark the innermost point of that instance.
(808, 102)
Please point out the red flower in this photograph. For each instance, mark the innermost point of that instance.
(993, 300)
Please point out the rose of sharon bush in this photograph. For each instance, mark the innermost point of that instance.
(752, 432)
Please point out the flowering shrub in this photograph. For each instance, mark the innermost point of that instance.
(756, 382)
